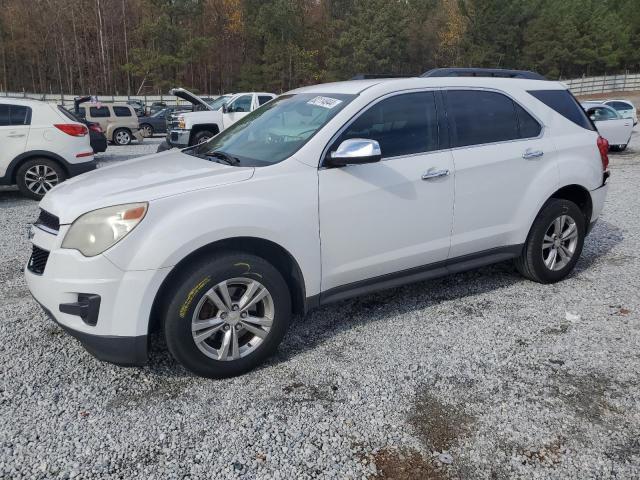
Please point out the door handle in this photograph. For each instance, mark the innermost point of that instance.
(529, 154)
(17, 135)
(434, 174)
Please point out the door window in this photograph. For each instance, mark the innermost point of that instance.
(403, 124)
(242, 104)
(14, 115)
(528, 126)
(99, 112)
(262, 99)
(479, 117)
(122, 112)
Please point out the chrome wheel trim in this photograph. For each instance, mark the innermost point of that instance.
(123, 137)
(39, 179)
(147, 131)
(232, 319)
(559, 242)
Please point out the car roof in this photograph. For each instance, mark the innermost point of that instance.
(355, 87)
(619, 100)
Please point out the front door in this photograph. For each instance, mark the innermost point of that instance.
(388, 217)
(237, 109)
(14, 131)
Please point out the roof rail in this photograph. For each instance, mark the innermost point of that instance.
(483, 72)
(371, 76)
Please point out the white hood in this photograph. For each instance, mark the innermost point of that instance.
(140, 180)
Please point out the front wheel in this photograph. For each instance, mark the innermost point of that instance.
(147, 130)
(227, 314)
(554, 243)
(201, 137)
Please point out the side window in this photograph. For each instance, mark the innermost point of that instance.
(620, 105)
(402, 125)
(99, 112)
(242, 104)
(15, 115)
(122, 111)
(479, 117)
(565, 104)
(529, 126)
(262, 99)
(600, 114)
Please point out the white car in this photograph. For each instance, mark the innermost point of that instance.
(625, 108)
(328, 192)
(41, 146)
(210, 118)
(610, 124)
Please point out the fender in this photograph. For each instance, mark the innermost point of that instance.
(10, 175)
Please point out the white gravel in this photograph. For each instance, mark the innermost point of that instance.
(478, 375)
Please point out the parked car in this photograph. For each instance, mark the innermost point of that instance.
(97, 138)
(211, 118)
(157, 122)
(139, 107)
(625, 108)
(610, 124)
(155, 107)
(327, 192)
(41, 146)
(118, 120)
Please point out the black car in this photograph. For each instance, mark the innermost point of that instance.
(96, 136)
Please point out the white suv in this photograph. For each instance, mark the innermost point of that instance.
(41, 146)
(326, 192)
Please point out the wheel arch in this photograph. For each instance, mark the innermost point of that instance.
(212, 127)
(277, 255)
(578, 195)
(14, 165)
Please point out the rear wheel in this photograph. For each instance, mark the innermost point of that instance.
(227, 314)
(122, 136)
(554, 243)
(36, 177)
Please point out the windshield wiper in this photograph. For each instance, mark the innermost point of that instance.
(224, 157)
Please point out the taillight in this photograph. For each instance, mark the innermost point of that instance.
(603, 146)
(72, 129)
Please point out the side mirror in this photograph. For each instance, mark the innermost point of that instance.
(355, 151)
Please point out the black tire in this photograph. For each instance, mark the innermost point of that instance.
(186, 297)
(531, 262)
(122, 136)
(147, 130)
(201, 136)
(28, 172)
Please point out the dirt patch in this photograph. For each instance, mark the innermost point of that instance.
(160, 391)
(406, 464)
(438, 425)
(549, 455)
(587, 395)
(300, 392)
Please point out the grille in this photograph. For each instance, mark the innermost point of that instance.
(49, 221)
(38, 260)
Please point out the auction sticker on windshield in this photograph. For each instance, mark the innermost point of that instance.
(324, 102)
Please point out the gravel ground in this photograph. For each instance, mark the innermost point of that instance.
(478, 375)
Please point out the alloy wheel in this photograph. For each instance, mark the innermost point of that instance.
(232, 319)
(560, 242)
(39, 179)
(123, 138)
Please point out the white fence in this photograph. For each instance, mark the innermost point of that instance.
(579, 86)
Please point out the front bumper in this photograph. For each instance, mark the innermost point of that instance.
(115, 328)
(179, 138)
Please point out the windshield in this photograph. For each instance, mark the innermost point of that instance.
(217, 103)
(276, 130)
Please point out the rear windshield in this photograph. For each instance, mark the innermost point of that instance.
(566, 105)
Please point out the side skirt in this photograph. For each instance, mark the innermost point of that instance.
(417, 274)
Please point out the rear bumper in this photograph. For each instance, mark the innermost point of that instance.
(74, 169)
(124, 351)
(598, 197)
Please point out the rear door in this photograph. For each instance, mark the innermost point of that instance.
(616, 130)
(387, 217)
(503, 161)
(14, 131)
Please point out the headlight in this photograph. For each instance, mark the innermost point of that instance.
(181, 122)
(95, 232)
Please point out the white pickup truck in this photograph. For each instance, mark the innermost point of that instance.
(209, 117)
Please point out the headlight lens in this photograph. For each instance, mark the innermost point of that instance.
(95, 232)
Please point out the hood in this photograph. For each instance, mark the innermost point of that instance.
(189, 97)
(141, 180)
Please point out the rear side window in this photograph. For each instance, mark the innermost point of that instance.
(620, 105)
(122, 111)
(529, 126)
(565, 104)
(263, 99)
(479, 117)
(402, 125)
(99, 112)
(14, 115)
